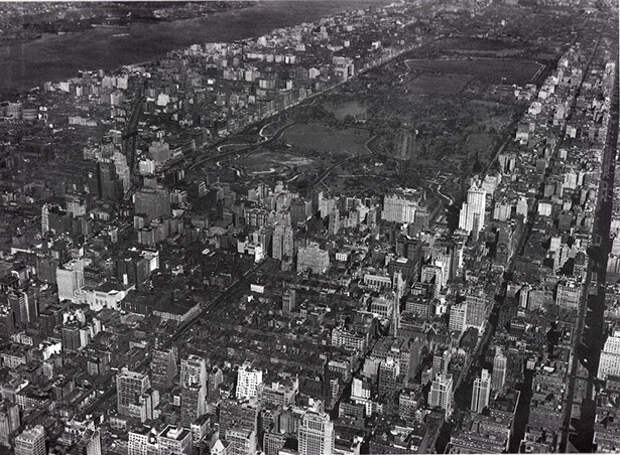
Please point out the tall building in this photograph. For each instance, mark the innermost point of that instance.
(568, 295)
(399, 209)
(31, 441)
(389, 371)
(122, 170)
(434, 275)
(193, 388)
(481, 392)
(334, 221)
(283, 243)
(9, 421)
(134, 397)
(152, 202)
(500, 365)
(89, 443)
(163, 367)
(473, 211)
(609, 363)
(476, 315)
(70, 278)
(278, 394)
(242, 441)
(312, 257)
(25, 304)
(238, 414)
(248, 380)
(175, 441)
(399, 290)
(142, 441)
(316, 434)
(458, 314)
(273, 442)
(470, 313)
(45, 218)
(109, 186)
(289, 300)
(440, 395)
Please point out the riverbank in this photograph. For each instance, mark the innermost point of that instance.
(57, 57)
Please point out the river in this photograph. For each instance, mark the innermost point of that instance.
(57, 57)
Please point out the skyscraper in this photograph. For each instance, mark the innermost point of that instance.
(316, 434)
(9, 421)
(45, 218)
(153, 202)
(481, 392)
(399, 289)
(193, 388)
(248, 380)
(109, 186)
(237, 414)
(458, 314)
(163, 367)
(472, 213)
(25, 304)
(131, 394)
(242, 441)
(399, 208)
(334, 221)
(440, 395)
(389, 371)
(610, 357)
(283, 242)
(70, 278)
(288, 300)
(31, 441)
(476, 314)
(500, 364)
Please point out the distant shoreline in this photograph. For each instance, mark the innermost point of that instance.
(35, 31)
(55, 57)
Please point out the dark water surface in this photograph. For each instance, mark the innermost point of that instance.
(58, 57)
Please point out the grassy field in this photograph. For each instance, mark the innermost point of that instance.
(316, 137)
(487, 70)
(438, 85)
(273, 161)
(341, 110)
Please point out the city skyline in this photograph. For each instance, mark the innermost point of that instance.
(386, 227)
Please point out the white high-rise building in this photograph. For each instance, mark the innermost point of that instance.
(69, 279)
(399, 209)
(473, 211)
(248, 380)
(500, 365)
(522, 207)
(242, 441)
(458, 313)
(45, 218)
(122, 170)
(440, 394)
(316, 434)
(31, 441)
(481, 392)
(610, 357)
(142, 442)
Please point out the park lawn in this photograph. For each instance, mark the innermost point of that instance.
(320, 138)
(487, 70)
